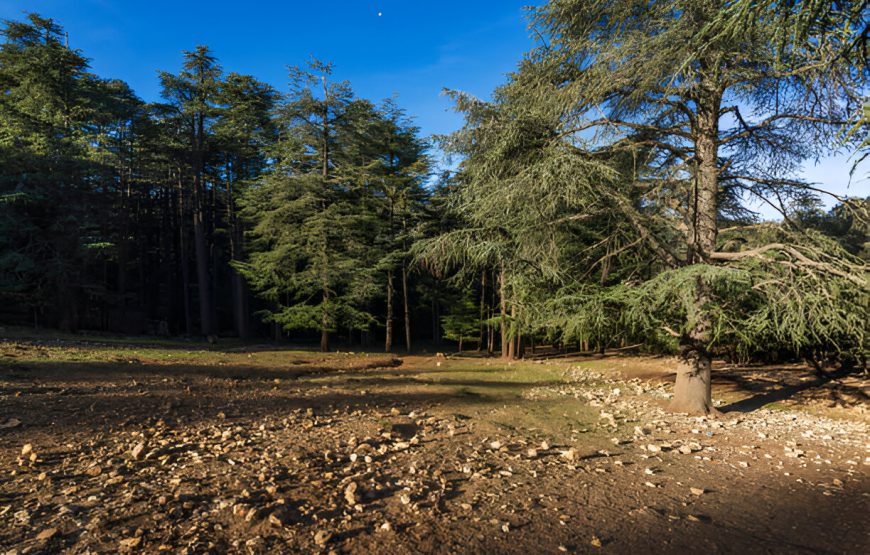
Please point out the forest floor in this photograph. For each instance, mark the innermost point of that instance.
(185, 448)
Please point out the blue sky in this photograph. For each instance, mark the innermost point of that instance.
(414, 49)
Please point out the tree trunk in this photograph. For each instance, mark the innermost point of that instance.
(199, 239)
(692, 389)
(324, 273)
(202, 277)
(184, 255)
(240, 290)
(482, 311)
(505, 348)
(324, 336)
(512, 336)
(692, 392)
(490, 346)
(388, 345)
(406, 307)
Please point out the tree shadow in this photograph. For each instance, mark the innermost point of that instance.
(778, 385)
(57, 396)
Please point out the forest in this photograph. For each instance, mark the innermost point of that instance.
(609, 311)
(602, 199)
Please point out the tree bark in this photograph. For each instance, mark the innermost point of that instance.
(388, 344)
(692, 391)
(324, 327)
(324, 273)
(240, 292)
(202, 277)
(512, 335)
(199, 239)
(184, 253)
(482, 311)
(406, 307)
(505, 348)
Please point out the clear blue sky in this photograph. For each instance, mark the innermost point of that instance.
(414, 49)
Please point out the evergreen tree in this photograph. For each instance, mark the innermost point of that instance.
(397, 176)
(194, 94)
(244, 133)
(654, 113)
(309, 235)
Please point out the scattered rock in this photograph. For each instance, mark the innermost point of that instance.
(131, 542)
(322, 537)
(11, 423)
(137, 451)
(350, 493)
(46, 534)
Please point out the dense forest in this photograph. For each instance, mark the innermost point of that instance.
(602, 199)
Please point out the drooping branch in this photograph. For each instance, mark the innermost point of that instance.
(799, 259)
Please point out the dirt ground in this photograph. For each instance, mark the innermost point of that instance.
(181, 448)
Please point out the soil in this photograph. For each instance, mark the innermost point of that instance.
(181, 449)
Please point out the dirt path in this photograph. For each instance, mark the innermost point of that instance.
(261, 451)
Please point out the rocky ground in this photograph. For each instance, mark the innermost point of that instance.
(113, 448)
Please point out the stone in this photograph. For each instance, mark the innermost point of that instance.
(137, 451)
(350, 493)
(131, 542)
(322, 537)
(697, 491)
(46, 534)
(27, 449)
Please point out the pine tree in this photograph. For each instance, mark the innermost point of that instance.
(310, 236)
(397, 177)
(244, 133)
(194, 94)
(655, 114)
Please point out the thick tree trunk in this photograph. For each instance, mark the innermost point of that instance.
(692, 389)
(692, 392)
(388, 324)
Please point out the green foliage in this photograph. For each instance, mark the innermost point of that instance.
(462, 322)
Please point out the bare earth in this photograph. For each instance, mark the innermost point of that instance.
(137, 448)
